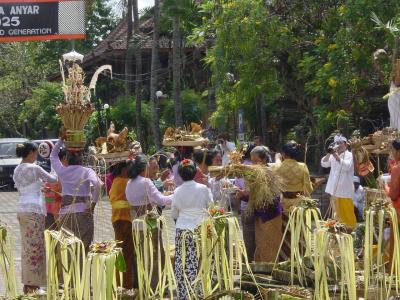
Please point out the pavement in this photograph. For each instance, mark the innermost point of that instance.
(103, 229)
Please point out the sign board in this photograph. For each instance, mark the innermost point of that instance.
(34, 20)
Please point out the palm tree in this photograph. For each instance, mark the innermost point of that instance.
(154, 75)
(176, 68)
(138, 77)
(176, 10)
(129, 50)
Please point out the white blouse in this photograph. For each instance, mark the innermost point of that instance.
(190, 203)
(142, 191)
(28, 179)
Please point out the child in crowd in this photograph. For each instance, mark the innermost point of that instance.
(52, 196)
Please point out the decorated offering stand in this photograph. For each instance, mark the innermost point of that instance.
(190, 136)
(223, 255)
(378, 271)
(7, 264)
(102, 264)
(379, 142)
(66, 258)
(76, 110)
(116, 146)
(155, 273)
(302, 219)
(333, 245)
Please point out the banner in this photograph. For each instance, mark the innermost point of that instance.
(34, 20)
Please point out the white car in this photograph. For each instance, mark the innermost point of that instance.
(9, 160)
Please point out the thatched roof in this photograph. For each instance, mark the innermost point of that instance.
(116, 41)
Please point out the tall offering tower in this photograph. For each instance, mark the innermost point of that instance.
(75, 111)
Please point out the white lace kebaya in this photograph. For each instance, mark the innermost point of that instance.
(28, 179)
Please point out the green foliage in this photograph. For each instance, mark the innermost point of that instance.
(124, 110)
(318, 56)
(186, 10)
(243, 58)
(194, 108)
(24, 65)
(122, 113)
(19, 72)
(40, 109)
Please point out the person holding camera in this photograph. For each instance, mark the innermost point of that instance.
(340, 182)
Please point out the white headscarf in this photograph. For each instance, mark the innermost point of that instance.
(339, 138)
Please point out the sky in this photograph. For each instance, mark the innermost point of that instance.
(141, 3)
(145, 3)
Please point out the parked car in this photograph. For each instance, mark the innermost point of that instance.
(44, 162)
(9, 160)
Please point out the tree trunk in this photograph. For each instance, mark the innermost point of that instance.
(263, 117)
(129, 50)
(176, 50)
(138, 77)
(395, 50)
(154, 76)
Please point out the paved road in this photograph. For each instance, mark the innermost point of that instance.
(103, 226)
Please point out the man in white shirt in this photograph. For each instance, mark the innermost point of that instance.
(225, 147)
(340, 182)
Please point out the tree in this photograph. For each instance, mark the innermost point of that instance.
(154, 76)
(19, 73)
(138, 59)
(129, 50)
(194, 109)
(176, 67)
(316, 56)
(40, 109)
(176, 10)
(242, 57)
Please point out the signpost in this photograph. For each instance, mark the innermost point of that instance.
(34, 20)
(240, 126)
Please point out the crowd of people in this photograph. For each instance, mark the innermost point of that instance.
(185, 185)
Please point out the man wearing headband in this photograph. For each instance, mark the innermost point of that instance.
(340, 182)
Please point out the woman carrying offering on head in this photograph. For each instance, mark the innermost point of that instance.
(31, 212)
(80, 191)
(189, 209)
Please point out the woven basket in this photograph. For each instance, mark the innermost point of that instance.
(75, 139)
(373, 194)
